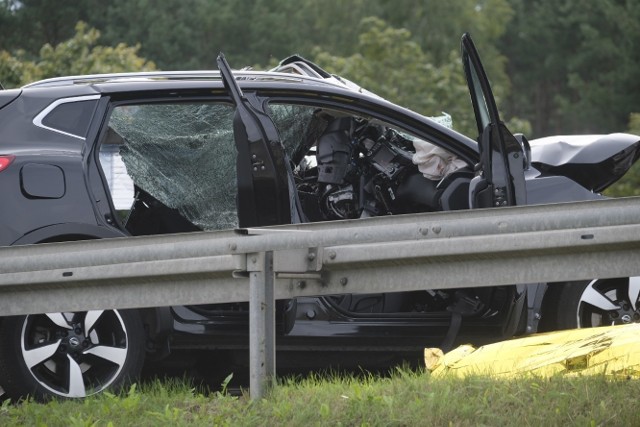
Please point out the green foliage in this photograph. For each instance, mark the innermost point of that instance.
(574, 64)
(412, 46)
(390, 63)
(386, 56)
(629, 184)
(12, 69)
(169, 31)
(78, 55)
(634, 123)
(567, 66)
(179, 34)
(29, 24)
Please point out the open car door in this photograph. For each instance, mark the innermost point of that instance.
(500, 171)
(265, 194)
(500, 181)
(263, 189)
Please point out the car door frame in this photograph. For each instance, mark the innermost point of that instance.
(500, 180)
(263, 195)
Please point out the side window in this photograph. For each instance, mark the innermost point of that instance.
(349, 166)
(70, 116)
(171, 167)
(297, 125)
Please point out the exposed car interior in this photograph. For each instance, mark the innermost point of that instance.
(180, 177)
(344, 167)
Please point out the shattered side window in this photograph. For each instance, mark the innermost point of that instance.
(297, 126)
(180, 159)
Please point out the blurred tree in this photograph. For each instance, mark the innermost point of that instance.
(188, 34)
(629, 184)
(634, 123)
(574, 64)
(29, 24)
(78, 55)
(392, 65)
(437, 25)
(183, 34)
(169, 31)
(269, 30)
(8, 25)
(179, 34)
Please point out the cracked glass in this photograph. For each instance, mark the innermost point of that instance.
(172, 159)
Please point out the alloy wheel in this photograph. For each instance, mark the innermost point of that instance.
(75, 354)
(607, 302)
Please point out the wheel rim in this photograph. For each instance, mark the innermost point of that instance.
(74, 354)
(607, 302)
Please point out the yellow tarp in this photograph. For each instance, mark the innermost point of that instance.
(611, 351)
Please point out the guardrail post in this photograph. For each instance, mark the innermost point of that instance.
(262, 337)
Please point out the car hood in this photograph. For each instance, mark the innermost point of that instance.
(593, 161)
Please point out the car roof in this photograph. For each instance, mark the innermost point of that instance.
(293, 69)
(293, 73)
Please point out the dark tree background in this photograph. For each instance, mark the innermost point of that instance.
(565, 66)
(574, 64)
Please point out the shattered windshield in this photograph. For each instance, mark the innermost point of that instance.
(180, 155)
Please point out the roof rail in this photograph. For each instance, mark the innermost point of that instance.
(102, 78)
(213, 75)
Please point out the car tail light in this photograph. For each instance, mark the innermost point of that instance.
(5, 161)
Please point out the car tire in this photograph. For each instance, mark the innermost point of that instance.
(70, 355)
(593, 303)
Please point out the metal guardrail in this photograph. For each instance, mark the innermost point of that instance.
(583, 240)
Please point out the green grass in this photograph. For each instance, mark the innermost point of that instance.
(403, 399)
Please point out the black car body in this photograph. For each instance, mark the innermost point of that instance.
(104, 156)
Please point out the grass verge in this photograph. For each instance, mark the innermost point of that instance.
(404, 398)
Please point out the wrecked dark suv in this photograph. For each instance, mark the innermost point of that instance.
(92, 157)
